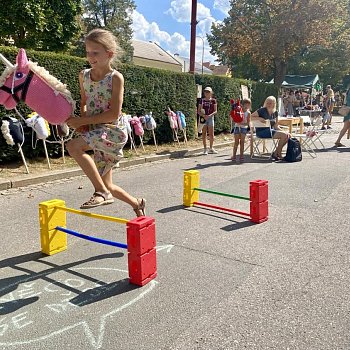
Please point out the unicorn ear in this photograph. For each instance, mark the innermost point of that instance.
(22, 59)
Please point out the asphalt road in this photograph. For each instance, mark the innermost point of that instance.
(223, 283)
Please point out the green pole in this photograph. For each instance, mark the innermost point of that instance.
(221, 193)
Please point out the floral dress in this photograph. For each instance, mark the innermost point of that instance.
(106, 140)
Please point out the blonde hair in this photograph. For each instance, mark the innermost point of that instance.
(246, 101)
(271, 99)
(108, 41)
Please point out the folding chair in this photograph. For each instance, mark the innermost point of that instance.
(312, 135)
(257, 141)
(319, 132)
(306, 142)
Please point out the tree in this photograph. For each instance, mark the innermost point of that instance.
(331, 63)
(114, 15)
(39, 24)
(273, 32)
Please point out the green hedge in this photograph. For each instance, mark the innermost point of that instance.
(146, 90)
(150, 89)
(226, 88)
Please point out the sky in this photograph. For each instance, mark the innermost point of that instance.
(167, 22)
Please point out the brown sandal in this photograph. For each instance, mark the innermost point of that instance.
(96, 201)
(140, 209)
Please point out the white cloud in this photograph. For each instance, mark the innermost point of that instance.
(222, 5)
(173, 43)
(180, 10)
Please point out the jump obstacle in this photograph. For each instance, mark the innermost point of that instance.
(258, 198)
(140, 233)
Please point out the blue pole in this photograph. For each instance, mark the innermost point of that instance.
(93, 239)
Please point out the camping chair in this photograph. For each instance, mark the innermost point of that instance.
(256, 141)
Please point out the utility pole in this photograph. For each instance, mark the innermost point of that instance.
(193, 36)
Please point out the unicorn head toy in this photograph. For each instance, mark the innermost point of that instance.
(32, 84)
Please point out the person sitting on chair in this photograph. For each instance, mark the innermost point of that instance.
(268, 112)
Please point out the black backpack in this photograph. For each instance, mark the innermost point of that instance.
(293, 151)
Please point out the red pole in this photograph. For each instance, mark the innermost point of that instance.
(221, 208)
(193, 36)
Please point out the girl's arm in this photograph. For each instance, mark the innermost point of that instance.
(255, 116)
(110, 115)
(82, 96)
(248, 118)
(75, 122)
(214, 112)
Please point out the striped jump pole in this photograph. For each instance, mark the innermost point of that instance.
(258, 197)
(140, 232)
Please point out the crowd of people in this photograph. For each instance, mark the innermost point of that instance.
(100, 126)
(293, 102)
(207, 108)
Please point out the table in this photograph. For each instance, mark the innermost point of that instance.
(311, 114)
(299, 121)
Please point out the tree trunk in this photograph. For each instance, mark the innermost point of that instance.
(280, 72)
(20, 37)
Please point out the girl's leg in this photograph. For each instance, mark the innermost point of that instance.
(235, 146)
(77, 148)
(211, 136)
(204, 136)
(283, 139)
(343, 131)
(241, 148)
(137, 204)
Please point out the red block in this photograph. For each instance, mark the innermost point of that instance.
(259, 211)
(141, 235)
(142, 269)
(142, 256)
(259, 191)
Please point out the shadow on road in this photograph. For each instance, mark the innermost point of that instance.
(103, 292)
(236, 224)
(10, 284)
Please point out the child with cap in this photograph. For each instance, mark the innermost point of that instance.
(207, 108)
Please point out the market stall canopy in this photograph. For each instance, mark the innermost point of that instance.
(301, 82)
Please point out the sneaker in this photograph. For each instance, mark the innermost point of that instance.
(241, 159)
(329, 127)
(205, 151)
(323, 128)
(213, 151)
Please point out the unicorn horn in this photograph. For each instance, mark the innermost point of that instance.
(6, 61)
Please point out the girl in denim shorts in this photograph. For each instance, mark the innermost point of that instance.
(207, 109)
(239, 132)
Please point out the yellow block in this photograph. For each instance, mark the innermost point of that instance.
(191, 180)
(52, 241)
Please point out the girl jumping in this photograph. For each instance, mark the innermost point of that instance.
(100, 126)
